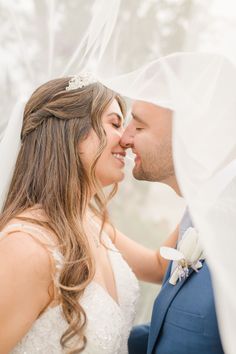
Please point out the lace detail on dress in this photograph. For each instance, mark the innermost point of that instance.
(108, 323)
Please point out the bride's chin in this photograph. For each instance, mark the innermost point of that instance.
(121, 177)
(117, 179)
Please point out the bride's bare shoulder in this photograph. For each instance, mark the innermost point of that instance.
(23, 255)
(26, 281)
(24, 245)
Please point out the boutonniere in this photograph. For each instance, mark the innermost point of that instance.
(188, 255)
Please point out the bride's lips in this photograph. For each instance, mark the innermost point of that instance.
(120, 157)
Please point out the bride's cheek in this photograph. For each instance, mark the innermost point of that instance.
(117, 133)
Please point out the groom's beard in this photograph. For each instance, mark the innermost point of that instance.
(156, 165)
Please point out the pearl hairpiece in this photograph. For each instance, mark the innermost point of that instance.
(81, 80)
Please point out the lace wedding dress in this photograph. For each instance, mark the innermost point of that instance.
(108, 322)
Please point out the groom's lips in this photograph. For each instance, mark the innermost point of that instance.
(137, 159)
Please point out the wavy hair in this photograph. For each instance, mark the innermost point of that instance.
(49, 172)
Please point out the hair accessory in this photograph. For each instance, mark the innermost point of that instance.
(81, 80)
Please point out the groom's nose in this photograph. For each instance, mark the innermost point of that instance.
(127, 139)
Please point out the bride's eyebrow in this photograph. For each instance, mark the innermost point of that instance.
(121, 119)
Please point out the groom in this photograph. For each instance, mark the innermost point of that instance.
(184, 319)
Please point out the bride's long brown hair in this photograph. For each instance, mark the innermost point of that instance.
(49, 172)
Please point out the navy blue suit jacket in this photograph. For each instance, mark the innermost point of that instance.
(183, 319)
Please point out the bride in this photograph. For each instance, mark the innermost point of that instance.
(68, 277)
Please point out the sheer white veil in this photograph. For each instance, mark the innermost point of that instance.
(9, 148)
(200, 88)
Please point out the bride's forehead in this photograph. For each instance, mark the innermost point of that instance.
(113, 110)
(114, 107)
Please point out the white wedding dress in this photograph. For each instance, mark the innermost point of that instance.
(108, 323)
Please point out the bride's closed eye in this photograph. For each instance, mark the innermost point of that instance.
(116, 120)
(116, 125)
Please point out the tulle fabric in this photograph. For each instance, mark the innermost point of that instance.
(200, 89)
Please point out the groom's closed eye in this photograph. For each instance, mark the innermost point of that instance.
(139, 124)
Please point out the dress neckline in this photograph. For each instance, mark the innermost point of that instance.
(110, 252)
(110, 249)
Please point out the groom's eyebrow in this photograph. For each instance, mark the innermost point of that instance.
(138, 119)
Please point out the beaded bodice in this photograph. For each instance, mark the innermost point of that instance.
(108, 322)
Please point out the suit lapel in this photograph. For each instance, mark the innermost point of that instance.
(167, 294)
(161, 306)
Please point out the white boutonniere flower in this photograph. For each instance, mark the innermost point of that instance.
(188, 254)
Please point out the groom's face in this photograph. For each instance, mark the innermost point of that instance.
(149, 135)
